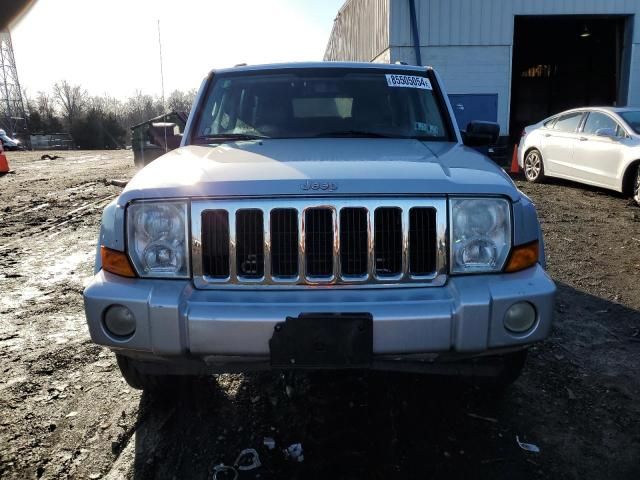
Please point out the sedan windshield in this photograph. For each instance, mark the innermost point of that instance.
(320, 103)
(633, 119)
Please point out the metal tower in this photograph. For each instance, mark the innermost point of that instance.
(13, 118)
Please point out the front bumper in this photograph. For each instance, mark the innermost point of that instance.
(176, 323)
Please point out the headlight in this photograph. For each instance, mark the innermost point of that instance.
(480, 234)
(157, 236)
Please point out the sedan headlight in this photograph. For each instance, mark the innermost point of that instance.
(157, 238)
(480, 234)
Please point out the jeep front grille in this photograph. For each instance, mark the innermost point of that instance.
(215, 233)
(315, 242)
(249, 243)
(354, 240)
(284, 242)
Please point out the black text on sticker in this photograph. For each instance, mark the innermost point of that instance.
(408, 81)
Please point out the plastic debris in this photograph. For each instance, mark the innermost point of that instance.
(222, 468)
(294, 452)
(269, 442)
(529, 447)
(248, 459)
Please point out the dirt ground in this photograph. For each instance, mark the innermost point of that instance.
(65, 412)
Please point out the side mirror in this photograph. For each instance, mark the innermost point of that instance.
(606, 132)
(479, 134)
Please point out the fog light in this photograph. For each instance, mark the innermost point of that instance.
(520, 317)
(119, 321)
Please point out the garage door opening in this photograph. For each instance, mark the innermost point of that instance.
(562, 62)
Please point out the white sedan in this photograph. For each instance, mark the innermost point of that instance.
(596, 146)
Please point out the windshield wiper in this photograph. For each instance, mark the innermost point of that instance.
(356, 133)
(221, 137)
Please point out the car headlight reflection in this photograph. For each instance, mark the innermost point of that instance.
(480, 234)
(157, 236)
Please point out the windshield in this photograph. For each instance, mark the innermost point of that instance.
(633, 119)
(312, 103)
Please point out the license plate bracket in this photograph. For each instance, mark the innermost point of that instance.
(323, 340)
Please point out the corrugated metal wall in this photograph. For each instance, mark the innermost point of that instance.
(470, 42)
(360, 31)
(469, 70)
(490, 22)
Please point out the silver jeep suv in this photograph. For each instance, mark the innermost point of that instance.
(321, 216)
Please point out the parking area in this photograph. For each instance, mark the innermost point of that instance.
(68, 413)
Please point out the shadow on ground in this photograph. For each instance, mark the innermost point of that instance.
(379, 425)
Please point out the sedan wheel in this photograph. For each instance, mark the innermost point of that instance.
(636, 187)
(533, 167)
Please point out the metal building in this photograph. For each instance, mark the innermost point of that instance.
(510, 61)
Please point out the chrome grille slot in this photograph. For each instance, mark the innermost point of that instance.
(249, 243)
(388, 241)
(215, 237)
(318, 242)
(284, 242)
(422, 234)
(354, 238)
(300, 241)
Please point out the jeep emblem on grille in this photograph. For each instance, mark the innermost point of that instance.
(250, 265)
(326, 186)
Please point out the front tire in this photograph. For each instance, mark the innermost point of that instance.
(533, 166)
(636, 186)
(144, 381)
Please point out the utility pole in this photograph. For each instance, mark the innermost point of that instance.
(164, 106)
(13, 118)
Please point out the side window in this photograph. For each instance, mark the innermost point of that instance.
(568, 123)
(596, 121)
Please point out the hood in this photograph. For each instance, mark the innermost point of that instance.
(322, 167)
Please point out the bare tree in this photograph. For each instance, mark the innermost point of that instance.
(44, 105)
(142, 107)
(180, 101)
(70, 98)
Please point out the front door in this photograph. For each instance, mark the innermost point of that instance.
(597, 157)
(558, 144)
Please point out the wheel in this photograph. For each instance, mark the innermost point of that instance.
(143, 381)
(636, 186)
(533, 166)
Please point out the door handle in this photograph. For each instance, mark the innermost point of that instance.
(547, 134)
(583, 139)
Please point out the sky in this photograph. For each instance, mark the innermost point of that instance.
(111, 46)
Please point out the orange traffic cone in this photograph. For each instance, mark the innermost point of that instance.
(515, 168)
(4, 163)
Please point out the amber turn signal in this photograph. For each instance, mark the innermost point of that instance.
(116, 262)
(523, 256)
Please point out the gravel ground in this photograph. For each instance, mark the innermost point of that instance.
(65, 412)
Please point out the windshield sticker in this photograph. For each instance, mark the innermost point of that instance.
(432, 130)
(408, 81)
